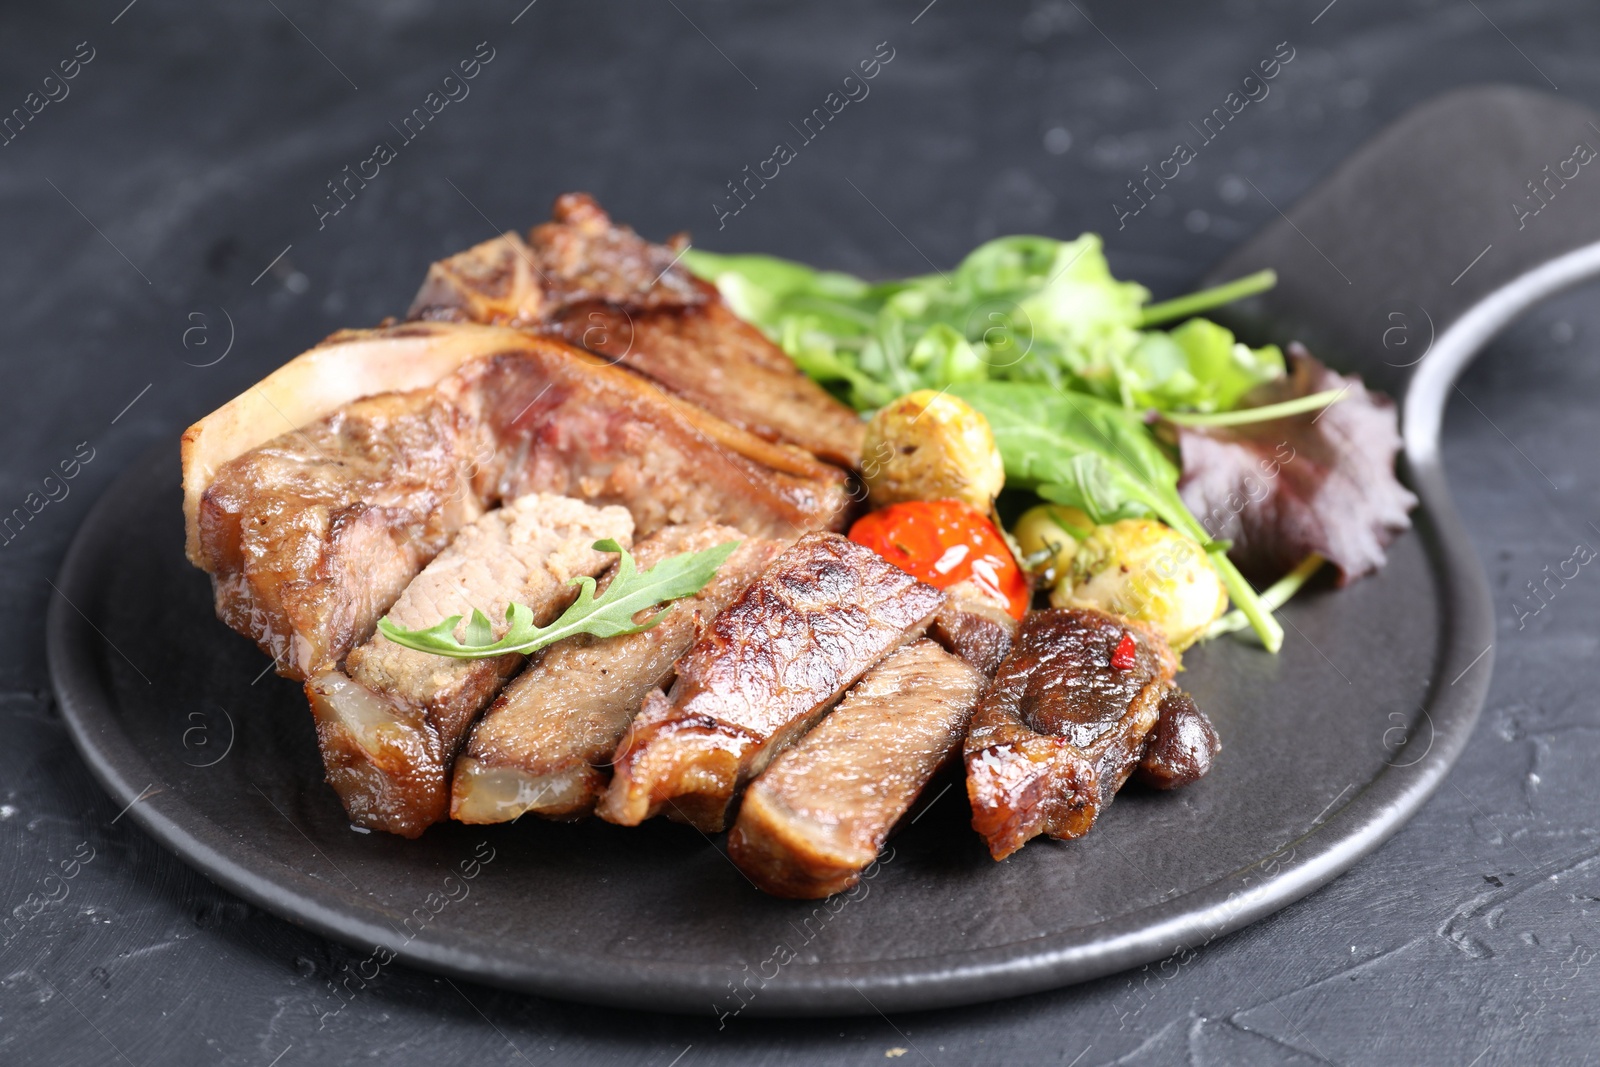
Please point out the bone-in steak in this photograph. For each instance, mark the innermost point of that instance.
(817, 816)
(310, 537)
(1063, 725)
(764, 672)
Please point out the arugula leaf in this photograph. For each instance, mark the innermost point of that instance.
(611, 614)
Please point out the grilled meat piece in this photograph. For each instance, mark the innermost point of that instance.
(545, 745)
(600, 286)
(496, 283)
(310, 536)
(713, 358)
(347, 366)
(818, 815)
(1063, 725)
(765, 671)
(975, 628)
(389, 727)
(577, 257)
(1181, 747)
(585, 256)
(566, 423)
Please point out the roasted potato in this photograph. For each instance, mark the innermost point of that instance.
(931, 446)
(1047, 536)
(1146, 571)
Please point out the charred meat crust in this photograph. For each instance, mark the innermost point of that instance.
(391, 724)
(579, 256)
(564, 422)
(816, 818)
(600, 286)
(976, 629)
(495, 283)
(765, 671)
(1062, 727)
(1181, 747)
(711, 357)
(310, 537)
(545, 745)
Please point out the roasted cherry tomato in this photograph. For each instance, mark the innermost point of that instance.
(945, 542)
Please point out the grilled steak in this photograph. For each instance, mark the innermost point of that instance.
(818, 815)
(600, 286)
(311, 536)
(975, 628)
(1063, 725)
(577, 257)
(710, 356)
(1181, 747)
(390, 726)
(545, 745)
(344, 367)
(566, 423)
(765, 671)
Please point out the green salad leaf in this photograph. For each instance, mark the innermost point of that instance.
(1087, 453)
(611, 614)
(1015, 309)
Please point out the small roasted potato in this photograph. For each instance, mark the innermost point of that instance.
(1146, 571)
(931, 446)
(1047, 536)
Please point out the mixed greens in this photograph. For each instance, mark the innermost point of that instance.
(1029, 309)
(1063, 360)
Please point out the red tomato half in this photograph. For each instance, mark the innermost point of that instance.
(943, 543)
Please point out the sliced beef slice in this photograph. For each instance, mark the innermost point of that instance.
(711, 357)
(390, 725)
(310, 537)
(765, 671)
(817, 816)
(975, 628)
(545, 745)
(567, 423)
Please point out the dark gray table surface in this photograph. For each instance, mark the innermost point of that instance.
(165, 206)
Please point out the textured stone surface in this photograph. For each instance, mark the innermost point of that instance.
(199, 137)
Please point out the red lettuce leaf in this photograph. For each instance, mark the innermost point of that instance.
(1320, 482)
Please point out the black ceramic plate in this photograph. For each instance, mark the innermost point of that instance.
(1330, 745)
